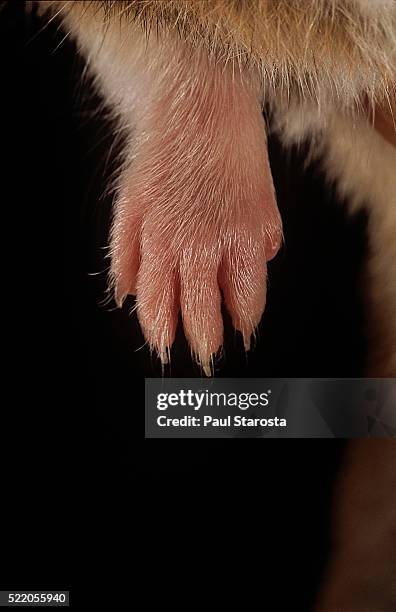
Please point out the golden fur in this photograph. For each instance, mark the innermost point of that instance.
(344, 50)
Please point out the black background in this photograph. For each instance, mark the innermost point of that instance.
(85, 496)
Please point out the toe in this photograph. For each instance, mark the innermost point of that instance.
(243, 275)
(125, 249)
(157, 299)
(200, 302)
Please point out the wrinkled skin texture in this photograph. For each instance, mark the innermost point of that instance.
(195, 217)
(197, 213)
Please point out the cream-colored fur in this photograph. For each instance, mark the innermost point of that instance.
(363, 165)
(323, 50)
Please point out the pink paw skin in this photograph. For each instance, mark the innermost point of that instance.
(196, 216)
